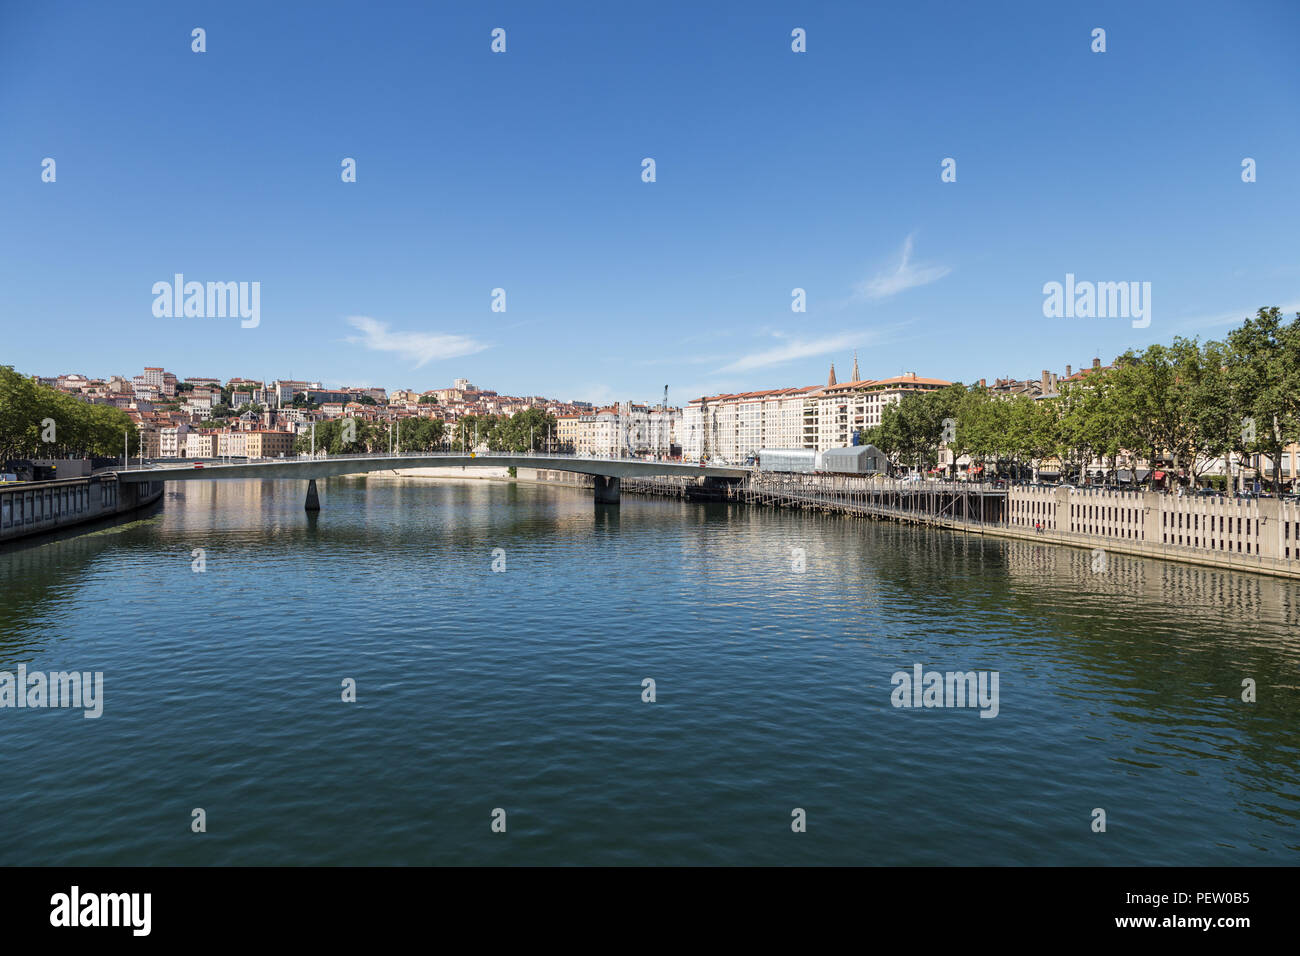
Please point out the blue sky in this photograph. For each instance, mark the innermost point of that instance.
(522, 171)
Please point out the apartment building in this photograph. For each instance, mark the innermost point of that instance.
(268, 443)
(621, 430)
(285, 389)
(200, 402)
(232, 444)
(838, 412)
(201, 444)
(598, 434)
(150, 439)
(734, 427)
(647, 431)
(296, 416)
(566, 433)
(172, 440)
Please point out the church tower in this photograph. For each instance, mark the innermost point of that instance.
(856, 376)
(831, 381)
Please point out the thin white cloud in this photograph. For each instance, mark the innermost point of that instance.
(421, 347)
(905, 276)
(789, 351)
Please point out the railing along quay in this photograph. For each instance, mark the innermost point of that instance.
(966, 504)
(1260, 535)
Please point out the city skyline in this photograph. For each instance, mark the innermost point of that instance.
(775, 171)
(458, 381)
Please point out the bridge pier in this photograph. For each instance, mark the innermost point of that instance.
(607, 490)
(313, 499)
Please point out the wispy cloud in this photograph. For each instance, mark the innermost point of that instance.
(789, 351)
(421, 347)
(907, 275)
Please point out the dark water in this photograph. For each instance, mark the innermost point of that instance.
(522, 690)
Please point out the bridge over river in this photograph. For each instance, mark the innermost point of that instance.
(606, 471)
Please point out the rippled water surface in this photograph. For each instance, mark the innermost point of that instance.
(522, 690)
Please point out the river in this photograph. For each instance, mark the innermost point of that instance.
(773, 640)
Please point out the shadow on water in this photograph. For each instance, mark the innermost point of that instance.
(82, 530)
(37, 572)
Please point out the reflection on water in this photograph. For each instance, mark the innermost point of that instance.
(1120, 689)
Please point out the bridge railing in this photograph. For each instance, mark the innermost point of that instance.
(371, 456)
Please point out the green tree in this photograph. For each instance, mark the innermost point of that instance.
(912, 430)
(422, 434)
(1154, 395)
(522, 431)
(1263, 367)
(80, 428)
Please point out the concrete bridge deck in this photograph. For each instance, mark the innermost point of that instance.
(607, 471)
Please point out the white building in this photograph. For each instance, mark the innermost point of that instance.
(596, 434)
(200, 445)
(838, 411)
(200, 402)
(172, 441)
(233, 444)
(732, 428)
(642, 430)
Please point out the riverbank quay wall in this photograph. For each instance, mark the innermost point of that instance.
(35, 507)
(1260, 535)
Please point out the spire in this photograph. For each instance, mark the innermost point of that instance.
(856, 376)
(831, 381)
